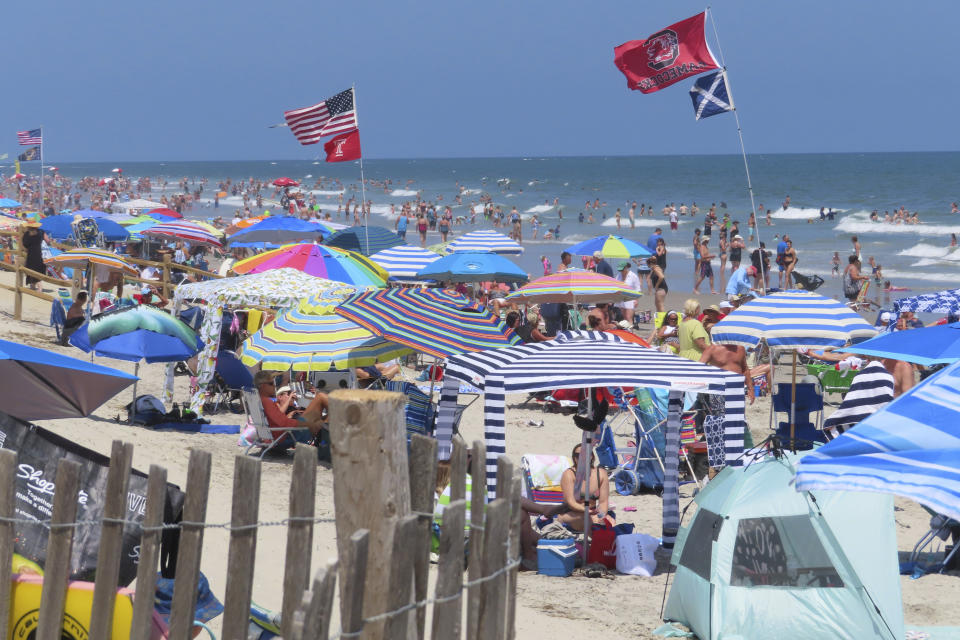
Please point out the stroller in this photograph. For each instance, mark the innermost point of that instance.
(807, 283)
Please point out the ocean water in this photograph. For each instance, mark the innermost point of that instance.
(915, 256)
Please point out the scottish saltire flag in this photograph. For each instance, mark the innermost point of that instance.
(710, 95)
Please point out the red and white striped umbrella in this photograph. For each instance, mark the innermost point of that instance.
(188, 231)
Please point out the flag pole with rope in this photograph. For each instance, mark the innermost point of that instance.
(363, 189)
(743, 151)
(41, 172)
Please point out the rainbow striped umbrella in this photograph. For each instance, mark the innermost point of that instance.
(323, 262)
(188, 231)
(308, 342)
(437, 322)
(574, 285)
(80, 258)
(610, 246)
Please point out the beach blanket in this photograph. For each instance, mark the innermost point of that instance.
(870, 390)
(193, 427)
(542, 473)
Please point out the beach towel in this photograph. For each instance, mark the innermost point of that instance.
(870, 390)
(194, 427)
(542, 474)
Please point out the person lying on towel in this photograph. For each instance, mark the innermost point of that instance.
(314, 417)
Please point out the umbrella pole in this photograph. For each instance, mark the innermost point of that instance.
(586, 451)
(771, 386)
(136, 373)
(793, 404)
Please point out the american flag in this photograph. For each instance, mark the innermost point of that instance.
(26, 138)
(332, 116)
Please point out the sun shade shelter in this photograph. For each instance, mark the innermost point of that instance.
(278, 230)
(485, 240)
(404, 261)
(275, 289)
(910, 447)
(364, 240)
(946, 301)
(758, 559)
(579, 359)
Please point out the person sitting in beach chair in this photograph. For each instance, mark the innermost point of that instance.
(76, 314)
(575, 502)
(367, 376)
(313, 417)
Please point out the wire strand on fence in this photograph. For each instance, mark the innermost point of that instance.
(186, 524)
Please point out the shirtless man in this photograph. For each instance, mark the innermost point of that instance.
(602, 322)
(732, 358)
(903, 375)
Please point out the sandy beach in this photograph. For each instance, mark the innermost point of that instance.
(624, 607)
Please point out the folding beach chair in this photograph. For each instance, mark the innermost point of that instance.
(942, 528)
(230, 378)
(264, 435)
(807, 283)
(541, 476)
(418, 411)
(808, 401)
(862, 303)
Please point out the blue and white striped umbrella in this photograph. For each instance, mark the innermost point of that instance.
(485, 240)
(947, 301)
(404, 262)
(909, 448)
(790, 320)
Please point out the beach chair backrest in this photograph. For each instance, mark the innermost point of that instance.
(863, 291)
(661, 316)
(251, 402)
(233, 372)
(542, 473)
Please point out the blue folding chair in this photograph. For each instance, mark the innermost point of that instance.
(231, 377)
(808, 400)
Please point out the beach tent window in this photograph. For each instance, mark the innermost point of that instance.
(781, 552)
(698, 551)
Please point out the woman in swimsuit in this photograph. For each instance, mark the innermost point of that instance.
(696, 252)
(723, 254)
(574, 501)
(658, 282)
(422, 228)
(789, 262)
(736, 252)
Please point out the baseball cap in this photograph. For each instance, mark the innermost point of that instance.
(623, 324)
(726, 305)
(738, 237)
(284, 389)
(712, 307)
(597, 255)
(623, 265)
(752, 270)
(886, 316)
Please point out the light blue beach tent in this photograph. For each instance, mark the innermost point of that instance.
(760, 560)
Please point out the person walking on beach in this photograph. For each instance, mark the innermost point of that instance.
(422, 226)
(656, 236)
(836, 264)
(696, 252)
(658, 283)
(856, 247)
(630, 279)
(852, 279)
(723, 255)
(401, 226)
(781, 251)
(789, 262)
(706, 269)
(736, 252)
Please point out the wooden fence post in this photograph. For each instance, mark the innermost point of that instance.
(458, 469)
(492, 592)
(111, 540)
(149, 554)
(243, 547)
(53, 595)
(296, 572)
(18, 294)
(516, 522)
(478, 502)
(401, 626)
(447, 616)
(353, 572)
(371, 486)
(319, 606)
(165, 276)
(8, 501)
(423, 484)
(191, 546)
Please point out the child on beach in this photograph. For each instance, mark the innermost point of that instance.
(836, 264)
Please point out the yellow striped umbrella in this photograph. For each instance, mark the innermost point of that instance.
(81, 258)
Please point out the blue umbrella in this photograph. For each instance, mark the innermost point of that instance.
(9, 203)
(41, 385)
(60, 228)
(364, 240)
(91, 213)
(278, 230)
(135, 334)
(473, 266)
(911, 447)
(926, 347)
(947, 301)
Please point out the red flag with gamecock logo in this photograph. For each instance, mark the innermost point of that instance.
(666, 57)
(344, 147)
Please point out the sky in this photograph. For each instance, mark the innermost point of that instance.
(201, 80)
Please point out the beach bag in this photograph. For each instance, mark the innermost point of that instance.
(603, 541)
(635, 554)
(146, 409)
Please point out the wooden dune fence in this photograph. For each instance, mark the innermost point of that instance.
(381, 569)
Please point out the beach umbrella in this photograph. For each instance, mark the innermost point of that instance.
(574, 286)
(434, 321)
(403, 262)
(132, 220)
(472, 266)
(440, 248)
(60, 227)
(323, 262)
(278, 230)
(9, 203)
(285, 182)
(137, 333)
(910, 447)
(83, 257)
(192, 233)
(365, 240)
(116, 170)
(610, 246)
(165, 211)
(947, 301)
(90, 213)
(310, 342)
(327, 298)
(791, 320)
(41, 385)
(927, 346)
(485, 240)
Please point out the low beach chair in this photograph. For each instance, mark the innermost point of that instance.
(541, 475)
(807, 283)
(942, 528)
(264, 435)
(862, 303)
(231, 377)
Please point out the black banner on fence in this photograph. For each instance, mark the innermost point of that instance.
(39, 451)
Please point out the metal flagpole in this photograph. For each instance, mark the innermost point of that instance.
(41, 171)
(363, 189)
(743, 151)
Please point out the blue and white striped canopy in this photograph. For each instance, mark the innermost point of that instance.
(790, 320)
(405, 261)
(585, 359)
(485, 240)
(909, 448)
(940, 302)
